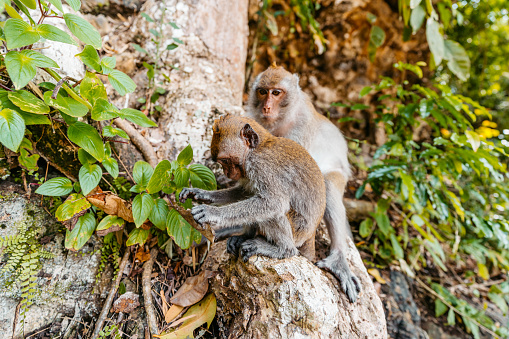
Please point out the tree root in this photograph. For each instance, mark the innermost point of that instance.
(358, 209)
(147, 288)
(139, 141)
(109, 301)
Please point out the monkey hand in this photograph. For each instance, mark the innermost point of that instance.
(205, 214)
(194, 193)
(350, 284)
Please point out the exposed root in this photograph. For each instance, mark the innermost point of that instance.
(139, 141)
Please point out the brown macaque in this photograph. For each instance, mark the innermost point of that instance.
(278, 201)
(277, 102)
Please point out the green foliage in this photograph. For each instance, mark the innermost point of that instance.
(110, 250)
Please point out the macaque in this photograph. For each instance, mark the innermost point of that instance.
(278, 200)
(277, 102)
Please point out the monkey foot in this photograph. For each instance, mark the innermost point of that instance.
(233, 245)
(350, 284)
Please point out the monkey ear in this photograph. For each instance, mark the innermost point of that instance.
(249, 136)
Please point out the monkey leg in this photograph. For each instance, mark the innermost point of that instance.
(337, 225)
(278, 242)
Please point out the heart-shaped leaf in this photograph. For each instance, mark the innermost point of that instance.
(55, 187)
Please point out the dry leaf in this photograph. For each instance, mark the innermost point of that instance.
(205, 229)
(172, 313)
(126, 303)
(376, 274)
(193, 289)
(112, 204)
(163, 301)
(181, 320)
(203, 312)
(141, 255)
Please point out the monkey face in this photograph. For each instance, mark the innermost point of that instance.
(271, 100)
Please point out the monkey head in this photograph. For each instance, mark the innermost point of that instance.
(272, 92)
(233, 139)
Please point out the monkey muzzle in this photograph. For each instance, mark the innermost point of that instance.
(231, 168)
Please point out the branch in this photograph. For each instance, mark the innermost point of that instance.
(107, 305)
(358, 209)
(139, 141)
(147, 288)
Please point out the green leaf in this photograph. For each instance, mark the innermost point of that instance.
(382, 220)
(82, 29)
(55, 187)
(52, 33)
(159, 214)
(137, 117)
(91, 88)
(483, 271)
(85, 158)
(474, 139)
(435, 40)
(179, 229)
(160, 177)
(81, 232)
(365, 91)
(142, 206)
(185, 156)
(147, 17)
(110, 221)
(108, 64)
(12, 129)
(181, 177)
(111, 132)
(498, 300)
(28, 102)
(137, 236)
(21, 66)
(111, 166)
(359, 107)
(457, 59)
(414, 3)
(75, 4)
(451, 317)
(440, 308)
(417, 18)
(89, 177)
(34, 119)
(104, 110)
(90, 58)
(66, 105)
(121, 82)
(142, 172)
(396, 247)
(57, 4)
(171, 46)
(29, 3)
(139, 48)
(18, 33)
(74, 204)
(377, 36)
(11, 11)
(366, 227)
(87, 137)
(202, 177)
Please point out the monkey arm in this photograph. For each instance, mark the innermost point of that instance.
(258, 208)
(223, 196)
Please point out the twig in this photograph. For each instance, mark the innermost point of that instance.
(107, 305)
(139, 141)
(147, 289)
(59, 84)
(442, 299)
(123, 165)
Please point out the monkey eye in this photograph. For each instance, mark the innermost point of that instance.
(276, 92)
(262, 91)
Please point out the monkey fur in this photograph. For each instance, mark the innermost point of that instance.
(278, 201)
(277, 102)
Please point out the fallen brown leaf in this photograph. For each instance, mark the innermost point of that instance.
(193, 289)
(126, 303)
(112, 204)
(172, 313)
(141, 255)
(164, 303)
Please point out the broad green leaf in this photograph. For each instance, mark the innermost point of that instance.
(451, 317)
(359, 107)
(457, 59)
(111, 132)
(137, 117)
(474, 139)
(19, 33)
(74, 204)
(159, 214)
(440, 308)
(27, 160)
(55, 187)
(87, 137)
(11, 11)
(90, 58)
(396, 247)
(382, 220)
(202, 177)
(365, 91)
(179, 229)
(52, 33)
(108, 222)
(137, 236)
(34, 119)
(85, 158)
(90, 176)
(139, 48)
(483, 271)
(108, 64)
(160, 177)
(81, 232)
(21, 65)
(104, 110)
(435, 40)
(181, 177)
(111, 166)
(57, 4)
(83, 30)
(91, 88)
(366, 227)
(121, 82)
(417, 18)
(142, 206)
(66, 105)
(377, 36)
(185, 156)
(29, 3)
(498, 300)
(28, 102)
(75, 4)
(12, 129)
(142, 171)
(171, 46)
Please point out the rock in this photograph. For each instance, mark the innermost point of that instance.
(291, 298)
(64, 282)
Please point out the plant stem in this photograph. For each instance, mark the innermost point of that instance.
(68, 89)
